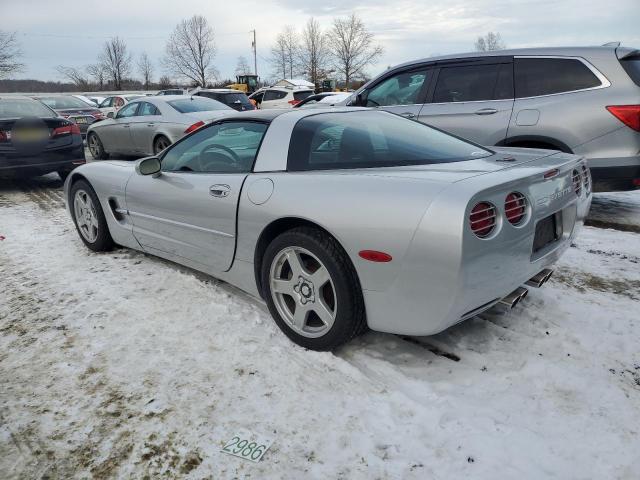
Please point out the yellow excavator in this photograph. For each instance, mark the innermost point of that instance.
(245, 83)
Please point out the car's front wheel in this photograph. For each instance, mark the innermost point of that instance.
(89, 218)
(95, 147)
(312, 289)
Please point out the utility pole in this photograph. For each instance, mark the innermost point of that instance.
(255, 55)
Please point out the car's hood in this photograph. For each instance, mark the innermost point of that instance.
(503, 158)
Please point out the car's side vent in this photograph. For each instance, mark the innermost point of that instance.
(577, 182)
(586, 177)
(482, 219)
(118, 213)
(515, 208)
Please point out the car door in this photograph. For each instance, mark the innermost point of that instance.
(272, 98)
(143, 127)
(106, 106)
(473, 99)
(188, 211)
(117, 136)
(402, 92)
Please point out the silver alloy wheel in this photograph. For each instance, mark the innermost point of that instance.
(303, 292)
(161, 144)
(86, 216)
(94, 146)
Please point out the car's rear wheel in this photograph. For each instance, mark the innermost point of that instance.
(89, 218)
(312, 289)
(95, 147)
(160, 143)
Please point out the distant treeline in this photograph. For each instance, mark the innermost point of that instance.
(37, 86)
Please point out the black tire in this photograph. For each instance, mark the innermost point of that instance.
(97, 149)
(157, 147)
(103, 241)
(63, 174)
(350, 317)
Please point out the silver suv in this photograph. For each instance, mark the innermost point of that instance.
(583, 100)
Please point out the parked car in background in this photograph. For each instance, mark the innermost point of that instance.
(76, 110)
(583, 100)
(284, 97)
(173, 91)
(322, 100)
(150, 124)
(256, 97)
(35, 140)
(110, 105)
(343, 219)
(233, 98)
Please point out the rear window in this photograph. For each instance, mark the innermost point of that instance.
(546, 76)
(273, 95)
(372, 139)
(196, 104)
(230, 98)
(18, 108)
(299, 96)
(632, 67)
(60, 103)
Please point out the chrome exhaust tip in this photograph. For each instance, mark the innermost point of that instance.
(514, 297)
(540, 278)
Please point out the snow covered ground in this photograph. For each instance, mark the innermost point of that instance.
(121, 365)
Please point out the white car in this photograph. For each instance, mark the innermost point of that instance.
(284, 97)
(148, 125)
(110, 105)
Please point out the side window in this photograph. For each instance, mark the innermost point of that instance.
(273, 95)
(466, 83)
(118, 102)
(545, 76)
(128, 111)
(401, 89)
(148, 109)
(229, 147)
(106, 102)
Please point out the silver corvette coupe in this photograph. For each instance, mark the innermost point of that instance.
(342, 219)
(148, 125)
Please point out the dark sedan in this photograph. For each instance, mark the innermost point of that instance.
(74, 109)
(232, 98)
(34, 140)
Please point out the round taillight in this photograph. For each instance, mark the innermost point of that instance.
(577, 182)
(482, 219)
(515, 208)
(586, 177)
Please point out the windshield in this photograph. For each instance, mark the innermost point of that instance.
(197, 104)
(372, 139)
(59, 103)
(18, 108)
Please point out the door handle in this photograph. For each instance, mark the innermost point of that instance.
(126, 126)
(486, 111)
(408, 115)
(150, 124)
(219, 190)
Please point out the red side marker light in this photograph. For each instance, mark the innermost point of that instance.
(551, 173)
(375, 256)
(636, 182)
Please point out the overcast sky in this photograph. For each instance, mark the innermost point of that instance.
(71, 33)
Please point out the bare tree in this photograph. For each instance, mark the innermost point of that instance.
(314, 51)
(191, 49)
(278, 58)
(9, 54)
(97, 72)
(352, 47)
(165, 82)
(290, 44)
(146, 69)
(116, 61)
(77, 77)
(491, 41)
(242, 67)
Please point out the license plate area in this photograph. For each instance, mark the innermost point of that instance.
(548, 231)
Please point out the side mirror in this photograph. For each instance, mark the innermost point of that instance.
(360, 100)
(110, 115)
(148, 166)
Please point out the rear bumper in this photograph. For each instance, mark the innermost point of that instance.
(46, 162)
